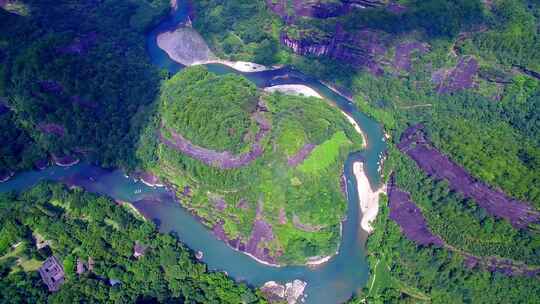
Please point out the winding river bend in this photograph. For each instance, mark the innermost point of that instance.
(332, 282)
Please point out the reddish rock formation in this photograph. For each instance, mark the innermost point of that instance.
(282, 216)
(410, 218)
(41, 164)
(219, 203)
(222, 160)
(415, 144)
(305, 227)
(52, 128)
(404, 52)
(301, 155)
(261, 232)
(396, 8)
(5, 175)
(413, 224)
(364, 48)
(457, 78)
(290, 10)
(150, 179)
(242, 204)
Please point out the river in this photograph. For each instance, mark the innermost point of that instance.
(333, 282)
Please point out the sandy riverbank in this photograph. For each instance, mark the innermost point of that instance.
(369, 198)
(299, 89)
(187, 47)
(319, 261)
(4, 178)
(256, 259)
(242, 66)
(294, 89)
(356, 127)
(131, 208)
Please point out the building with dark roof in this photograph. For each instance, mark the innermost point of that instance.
(52, 273)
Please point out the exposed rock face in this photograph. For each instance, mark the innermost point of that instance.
(396, 8)
(301, 155)
(321, 9)
(413, 225)
(458, 78)
(359, 48)
(305, 227)
(261, 232)
(433, 162)
(225, 159)
(410, 219)
(41, 164)
(363, 48)
(150, 180)
(185, 46)
(404, 53)
(291, 292)
(282, 216)
(219, 202)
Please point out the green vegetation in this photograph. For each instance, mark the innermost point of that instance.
(491, 129)
(434, 274)
(76, 227)
(325, 154)
(239, 30)
(462, 223)
(513, 37)
(208, 110)
(17, 150)
(309, 192)
(82, 66)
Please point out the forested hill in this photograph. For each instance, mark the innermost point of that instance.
(465, 73)
(263, 171)
(94, 239)
(76, 79)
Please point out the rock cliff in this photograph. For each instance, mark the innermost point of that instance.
(321, 9)
(290, 293)
(362, 48)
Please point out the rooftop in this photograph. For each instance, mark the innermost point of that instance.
(52, 273)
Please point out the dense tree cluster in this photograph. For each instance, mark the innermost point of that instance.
(80, 225)
(239, 30)
(83, 67)
(210, 111)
